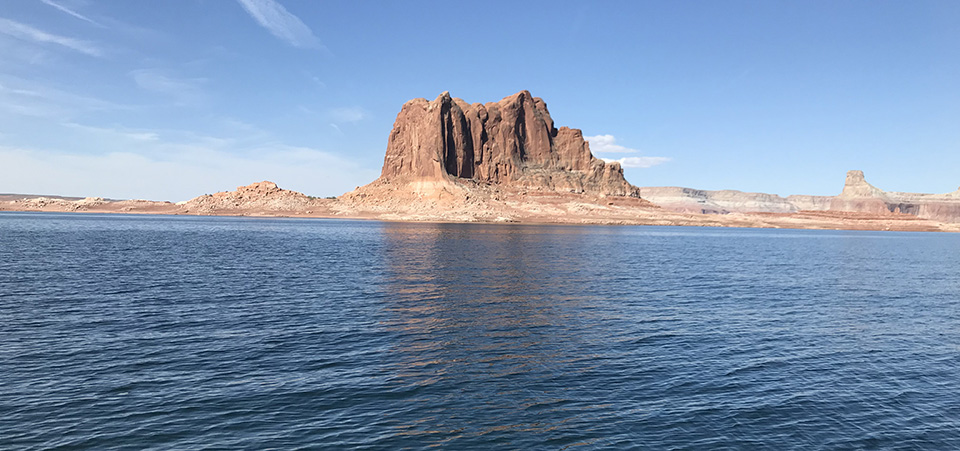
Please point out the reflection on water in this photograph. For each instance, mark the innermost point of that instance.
(485, 326)
(619, 337)
(127, 332)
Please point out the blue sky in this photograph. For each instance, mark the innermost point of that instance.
(168, 100)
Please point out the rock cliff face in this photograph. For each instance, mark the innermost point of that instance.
(860, 196)
(510, 143)
(856, 186)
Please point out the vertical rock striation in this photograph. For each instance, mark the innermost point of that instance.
(510, 143)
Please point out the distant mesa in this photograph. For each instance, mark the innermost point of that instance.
(857, 196)
(860, 196)
(448, 144)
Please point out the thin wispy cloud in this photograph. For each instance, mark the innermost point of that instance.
(114, 133)
(279, 22)
(26, 98)
(27, 33)
(19, 56)
(185, 92)
(638, 162)
(347, 114)
(606, 144)
(71, 12)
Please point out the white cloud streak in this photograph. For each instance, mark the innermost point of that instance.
(111, 133)
(27, 33)
(185, 92)
(608, 144)
(638, 162)
(26, 98)
(347, 114)
(172, 165)
(279, 22)
(71, 12)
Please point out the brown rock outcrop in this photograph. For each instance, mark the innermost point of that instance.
(860, 196)
(510, 143)
(260, 196)
(856, 186)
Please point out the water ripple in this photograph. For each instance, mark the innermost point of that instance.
(146, 332)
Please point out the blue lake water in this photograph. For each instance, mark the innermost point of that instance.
(140, 332)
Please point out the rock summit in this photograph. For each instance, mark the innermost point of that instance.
(511, 143)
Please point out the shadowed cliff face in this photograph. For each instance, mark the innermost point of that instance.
(511, 142)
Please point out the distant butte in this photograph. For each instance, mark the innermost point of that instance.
(858, 196)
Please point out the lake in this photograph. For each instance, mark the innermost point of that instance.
(150, 332)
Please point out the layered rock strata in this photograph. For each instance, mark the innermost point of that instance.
(858, 196)
(688, 200)
(511, 143)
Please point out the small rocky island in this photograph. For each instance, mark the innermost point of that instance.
(505, 161)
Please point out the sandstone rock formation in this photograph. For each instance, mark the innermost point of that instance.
(260, 196)
(688, 200)
(857, 196)
(860, 196)
(448, 160)
(511, 143)
(805, 202)
(60, 203)
(856, 186)
(489, 204)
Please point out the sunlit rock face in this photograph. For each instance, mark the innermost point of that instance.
(260, 196)
(512, 142)
(858, 196)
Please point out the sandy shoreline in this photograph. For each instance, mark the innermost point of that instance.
(522, 213)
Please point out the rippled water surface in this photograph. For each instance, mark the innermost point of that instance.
(137, 332)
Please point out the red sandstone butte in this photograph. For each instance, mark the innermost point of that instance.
(511, 143)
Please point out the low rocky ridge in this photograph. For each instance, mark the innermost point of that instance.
(257, 199)
(261, 196)
(59, 203)
(857, 196)
(689, 200)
